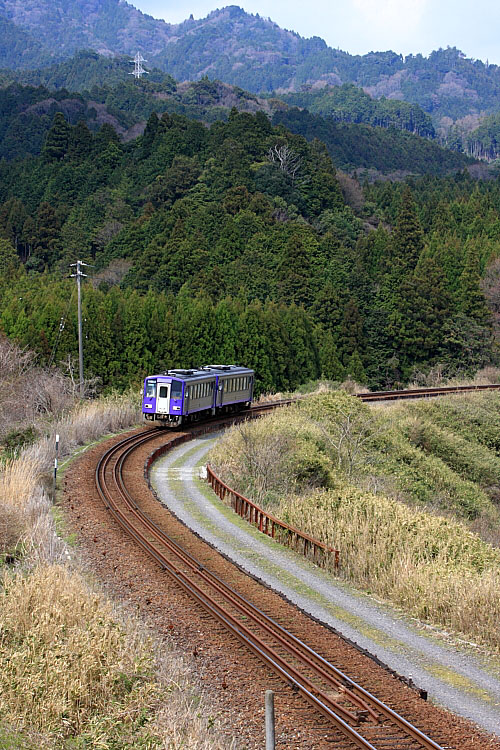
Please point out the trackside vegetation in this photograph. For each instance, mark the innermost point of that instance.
(408, 493)
(75, 672)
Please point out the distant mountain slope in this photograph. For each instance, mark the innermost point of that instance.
(356, 146)
(19, 49)
(348, 103)
(26, 114)
(108, 26)
(245, 50)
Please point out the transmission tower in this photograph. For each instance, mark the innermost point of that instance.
(138, 69)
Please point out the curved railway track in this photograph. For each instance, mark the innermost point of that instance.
(363, 720)
(425, 392)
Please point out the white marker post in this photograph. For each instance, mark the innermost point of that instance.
(55, 468)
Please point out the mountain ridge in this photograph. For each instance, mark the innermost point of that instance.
(248, 51)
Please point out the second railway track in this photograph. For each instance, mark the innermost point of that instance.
(359, 718)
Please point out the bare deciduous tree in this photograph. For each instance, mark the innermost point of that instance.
(263, 461)
(349, 436)
(288, 161)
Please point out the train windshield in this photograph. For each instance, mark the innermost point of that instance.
(176, 390)
(150, 388)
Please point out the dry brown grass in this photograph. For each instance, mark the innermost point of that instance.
(432, 567)
(25, 508)
(70, 667)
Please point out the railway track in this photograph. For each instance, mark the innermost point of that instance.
(362, 720)
(424, 392)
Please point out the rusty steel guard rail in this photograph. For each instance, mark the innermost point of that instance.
(269, 524)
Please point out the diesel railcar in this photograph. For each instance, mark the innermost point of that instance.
(176, 397)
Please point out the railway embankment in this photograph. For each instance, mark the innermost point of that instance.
(455, 674)
(408, 493)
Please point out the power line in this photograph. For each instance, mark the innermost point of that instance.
(62, 324)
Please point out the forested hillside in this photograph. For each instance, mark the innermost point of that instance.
(237, 241)
(26, 113)
(384, 150)
(348, 103)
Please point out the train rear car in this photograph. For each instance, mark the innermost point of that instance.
(234, 386)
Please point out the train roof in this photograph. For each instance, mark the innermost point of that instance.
(227, 369)
(182, 374)
(204, 372)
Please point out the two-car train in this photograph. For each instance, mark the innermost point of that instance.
(178, 396)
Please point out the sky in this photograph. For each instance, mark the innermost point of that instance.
(361, 26)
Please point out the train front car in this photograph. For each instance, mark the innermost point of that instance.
(162, 399)
(178, 396)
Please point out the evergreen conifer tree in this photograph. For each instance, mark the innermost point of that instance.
(57, 141)
(407, 238)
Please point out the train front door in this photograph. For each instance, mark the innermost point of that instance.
(163, 398)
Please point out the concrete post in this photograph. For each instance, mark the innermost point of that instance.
(270, 734)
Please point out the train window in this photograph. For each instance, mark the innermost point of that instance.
(163, 391)
(176, 390)
(150, 388)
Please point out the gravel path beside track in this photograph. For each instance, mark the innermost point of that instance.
(465, 683)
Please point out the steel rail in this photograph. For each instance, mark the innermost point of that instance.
(425, 392)
(217, 612)
(352, 690)
(242, 605)
(249, 610)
